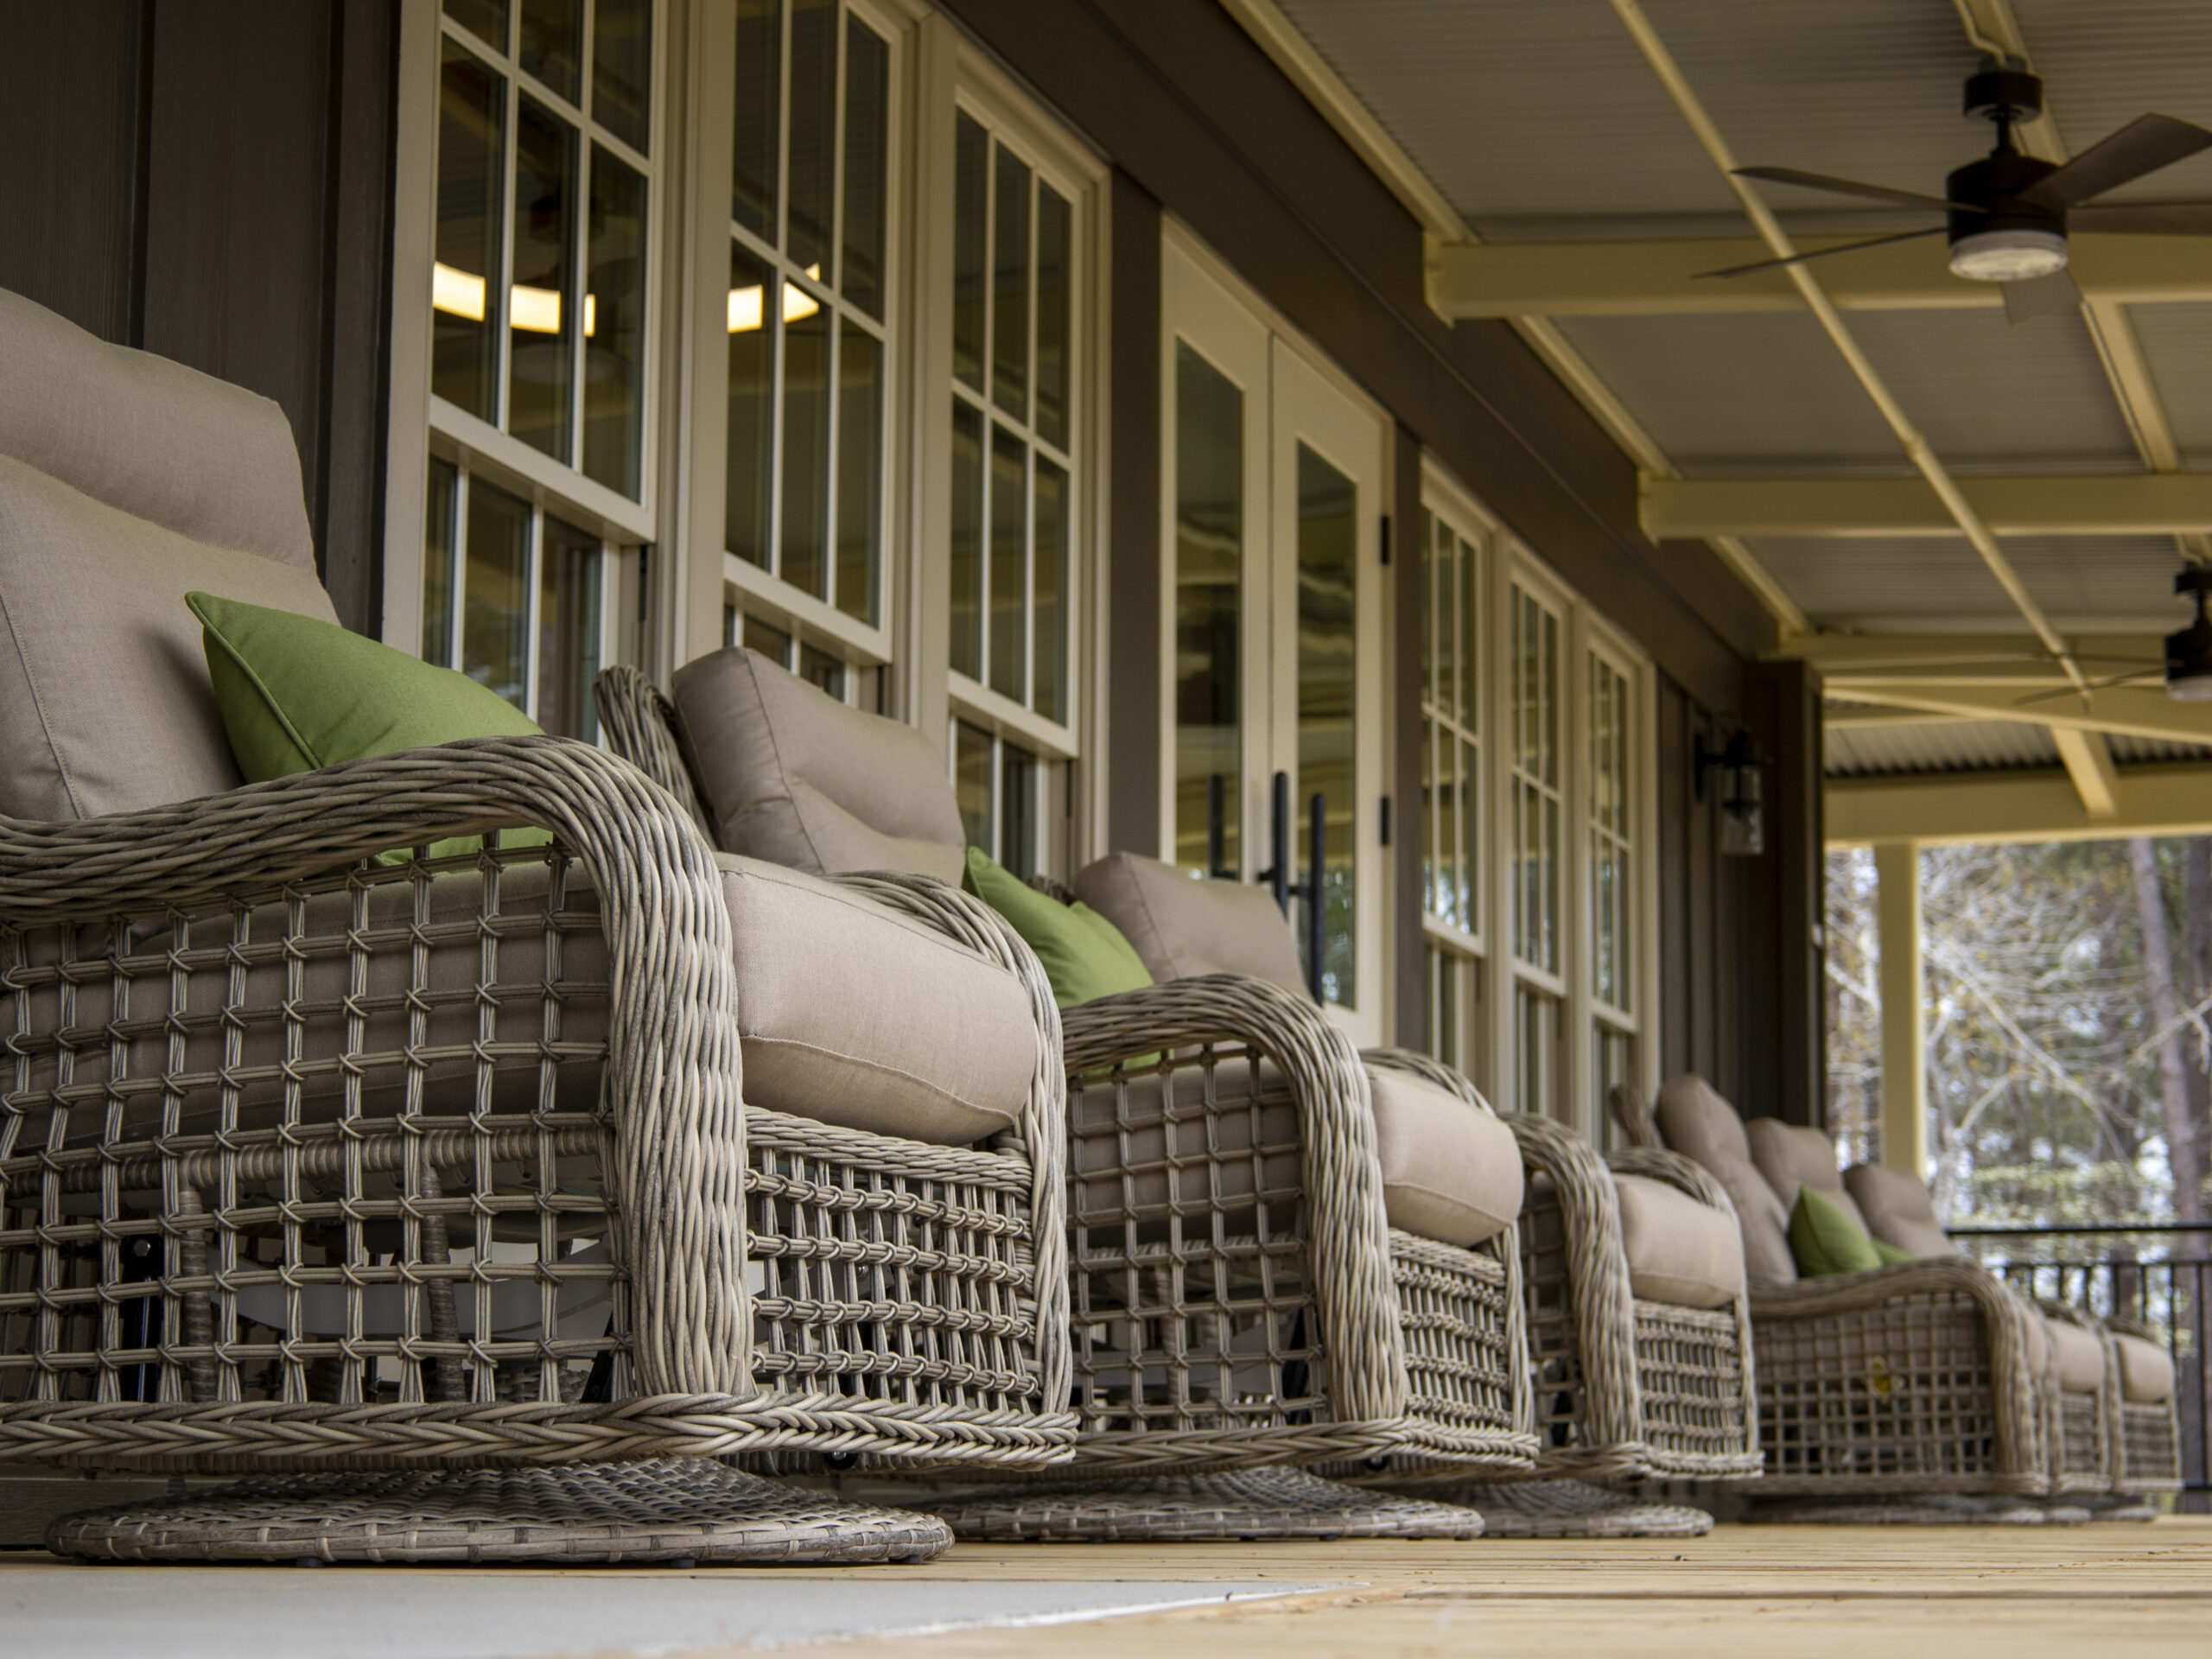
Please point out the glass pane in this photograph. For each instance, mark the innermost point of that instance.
(812, 178)
(971, 782)
(967, 541)
(471, 128)
(1017, 810)
(1009, 557)
(1049, 581)
(487, 19)
(819, 669)
(622, 71)
(1328, 541)
(1470, 821)
(860, 470)
(1433, 554)
(1447, 611)
(495, 609)
(759, 81)
(1010, 288)
(552, 31)
(970, 228)
(804, 498)
(540, 307)
(868, 164)
(1209, 573)
(1448, 834)
(752, 413)
(437, 562)
(567, 630)
(1471, 634)
(614, 325)
(1055, 264)
(769, 640)
(1434, 897)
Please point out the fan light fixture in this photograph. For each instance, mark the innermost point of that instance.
(2188, 651)
(2009, 255)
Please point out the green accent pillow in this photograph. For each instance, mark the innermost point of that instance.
(298, 695)
(1084, 955)
(1824, 1241)
(1890, 1254)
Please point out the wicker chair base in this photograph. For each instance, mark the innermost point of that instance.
(1269, 1505)
(670, 1511)
(1931, 1509)
(1574, 1508)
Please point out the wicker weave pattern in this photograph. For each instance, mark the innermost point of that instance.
(1247, 1506)
(497, 1213)
(2148, 1458)
(640, 726)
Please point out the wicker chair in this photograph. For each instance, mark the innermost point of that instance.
(1240, 1303)
(1916, 1380)
(422, 1189)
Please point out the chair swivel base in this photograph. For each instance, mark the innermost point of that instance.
(668, 1511)
(1270, 1505)
(1574, 1509)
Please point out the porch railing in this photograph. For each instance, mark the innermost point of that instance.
(2161, 1276)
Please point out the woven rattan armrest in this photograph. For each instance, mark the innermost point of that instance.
(672, 1061)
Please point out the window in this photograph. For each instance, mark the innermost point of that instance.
(998, 782)
(783, 644)
(1537, 807)
(1611, 871)
(810, 300)
(1454, 657)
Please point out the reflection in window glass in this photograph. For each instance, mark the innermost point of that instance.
(1610, 906)
(752, 431)
(967, 540)
(811, 166)
(1451, 726)
(1327, 661)
(759, 81)
(1536, 803)
(466, 280)
(568, 630)
(622, 70)
(487, 19)
(1010, 287)
(551, 33)
(822, 671)
(1209, 487)
(804, 496)
(867, 155)
(971, 781)
(1017, 810)
(442, 497)
(541, 309)
(614, 326)
(1055, 251)
(1009, 560)
(970, 240)
(495, 610)
(1048, 593)
(769, 640)
(860, 468)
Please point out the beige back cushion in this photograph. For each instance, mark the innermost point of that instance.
(1793, 1156)
(1697, 1123)
(1679, 1251)
(1451, 1170)
(126, 481)
(790, 775)
(1182, 927)
(1897, 1209)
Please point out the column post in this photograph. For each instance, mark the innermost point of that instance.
(1904, 1060)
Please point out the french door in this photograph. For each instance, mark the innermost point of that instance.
(1272, 478)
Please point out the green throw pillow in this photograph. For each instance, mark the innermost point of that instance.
(1084, 955)
(1824, 1240)
(298, 695)
(1890, 1254)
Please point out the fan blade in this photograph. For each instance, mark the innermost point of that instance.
(2041, 296)
(1822, 253)
(2140, 676)
(2143, 145)
(1852, 187)
(2148, 218)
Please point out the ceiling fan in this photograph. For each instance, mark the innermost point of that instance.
(2007, 215)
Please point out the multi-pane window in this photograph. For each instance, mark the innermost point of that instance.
(810, 300)
(1014, 418)
(540, 284)
(998, 782)
(1611, 872)
(515, 597)
(1536, 807)
(1453, 658)
(786, 647)
(1209, 524)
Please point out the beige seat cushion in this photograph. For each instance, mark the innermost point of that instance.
(126, 481)
(2077, 1354)
(1899, 1210)
(2146, 1371)
(790, 775)
(1697, 1122)
(1451, 1170)
(1793, 1156)
(1679, 1251)
(1182, 927)
(855, 1015)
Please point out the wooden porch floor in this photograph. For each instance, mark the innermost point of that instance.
(2144, 1591)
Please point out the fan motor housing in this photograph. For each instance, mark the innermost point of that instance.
(1999, 181)
(2004, 94)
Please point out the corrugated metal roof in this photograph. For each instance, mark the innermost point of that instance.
(2151, 751)
(2104, 62)
(1906, 747)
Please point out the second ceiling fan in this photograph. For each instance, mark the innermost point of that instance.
(2008, 214)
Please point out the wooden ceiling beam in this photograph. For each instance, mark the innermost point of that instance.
(2042, 805)
(2103, 504)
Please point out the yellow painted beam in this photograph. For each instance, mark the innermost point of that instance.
(2129, 504)
(2011, 806)
(2089, 767)
(1904, 994)
(1853, 653)
(1646, 278)
(2127, 711)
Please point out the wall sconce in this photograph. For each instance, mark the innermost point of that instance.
(1743, 819)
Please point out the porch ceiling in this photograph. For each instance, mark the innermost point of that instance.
(1566, 188)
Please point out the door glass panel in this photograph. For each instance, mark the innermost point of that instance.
(1328, 658)
(622, 70)
(1209, 576)
(1009, 561)
(495, 613)
(466, 280)
(867, 140)
(567, 630)
(759, 82)
(752, 426)
(615, 325)
(541, 316)
(437, 563)
(812, 167)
